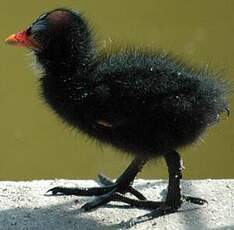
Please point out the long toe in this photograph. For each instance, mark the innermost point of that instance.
(99, 201)
(194, 200)
(94, 191)
(116, 196)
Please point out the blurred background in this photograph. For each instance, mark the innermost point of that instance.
(35, 144)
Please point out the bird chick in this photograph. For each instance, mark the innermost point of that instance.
(142, 102)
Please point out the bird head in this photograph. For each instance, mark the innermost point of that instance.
(59, 38)
(54, 25)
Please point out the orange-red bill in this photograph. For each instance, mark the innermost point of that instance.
(23, 40)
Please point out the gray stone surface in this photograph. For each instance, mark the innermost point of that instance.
(23, 206)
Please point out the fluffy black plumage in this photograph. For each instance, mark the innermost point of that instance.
(143, 102)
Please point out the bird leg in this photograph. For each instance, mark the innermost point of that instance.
(111, 191)
(174, 198)
(175, 167)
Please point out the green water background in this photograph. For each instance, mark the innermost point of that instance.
(36, 144)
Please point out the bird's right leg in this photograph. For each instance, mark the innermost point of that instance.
(121, 185)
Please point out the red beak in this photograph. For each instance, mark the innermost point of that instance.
(22, 39)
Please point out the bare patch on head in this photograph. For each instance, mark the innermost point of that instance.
(59, 17)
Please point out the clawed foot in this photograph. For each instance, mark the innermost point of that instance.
(112, 192)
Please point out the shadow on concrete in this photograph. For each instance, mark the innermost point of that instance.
(57, 217)
(228, 227)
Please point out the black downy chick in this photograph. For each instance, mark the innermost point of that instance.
(141, 102)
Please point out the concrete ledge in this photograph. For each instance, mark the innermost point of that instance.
(23, 206)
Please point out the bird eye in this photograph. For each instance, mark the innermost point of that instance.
(40, 37)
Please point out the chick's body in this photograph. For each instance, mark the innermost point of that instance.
(140, 102)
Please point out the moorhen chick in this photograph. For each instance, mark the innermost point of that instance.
(143, 102)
